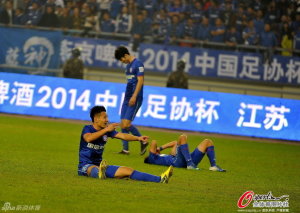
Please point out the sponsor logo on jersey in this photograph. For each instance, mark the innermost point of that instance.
(130, 76)
(94, 146)
(141, 69)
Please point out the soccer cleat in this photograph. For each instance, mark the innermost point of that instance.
(124, 152)
(216, 169)
(102, 169)
(192, 168)
(164, 178)
(143, 148)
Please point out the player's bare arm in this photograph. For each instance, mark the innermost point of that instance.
(137, 90)
(169, 145)
(130, 137)
(157, 149)
(89, 137)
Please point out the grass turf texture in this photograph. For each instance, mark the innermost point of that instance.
(39, 158)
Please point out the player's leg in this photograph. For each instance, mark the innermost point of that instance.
(126, 124)
(173, 149)
(125, 106)
(207, 146)
(199, 152)
(124, 127)
(97, 171)
(133, 128)
(93, 171)
(184, 150)
(112, 171)
(124, 172)
(89, 170)
(127, 127)
(153, 147)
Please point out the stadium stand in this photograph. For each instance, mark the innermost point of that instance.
(270, 21)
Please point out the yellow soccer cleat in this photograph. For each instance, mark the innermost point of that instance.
(102, 169)
(164, 178)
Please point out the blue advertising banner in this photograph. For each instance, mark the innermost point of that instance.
(33, 48)
(200, 62)
(162, 107)
(222, 64)
(94, 52)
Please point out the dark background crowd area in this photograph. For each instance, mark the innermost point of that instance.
(257, 22)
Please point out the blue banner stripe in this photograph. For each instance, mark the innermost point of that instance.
(162, 107)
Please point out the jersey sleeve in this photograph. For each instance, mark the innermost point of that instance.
(139, 69)
(85, 130)
(112, 134)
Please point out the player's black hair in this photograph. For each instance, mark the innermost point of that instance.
(146, 160)
(96, 110)
(120, 52)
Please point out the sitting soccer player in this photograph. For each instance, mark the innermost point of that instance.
(180, 155)
(92, 142)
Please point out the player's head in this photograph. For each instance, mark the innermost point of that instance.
(99, 116)
(122, 54)
(181, 65)
(76, 52)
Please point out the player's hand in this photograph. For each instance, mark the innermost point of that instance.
(112, 127)
(143, 139)
(132, 101)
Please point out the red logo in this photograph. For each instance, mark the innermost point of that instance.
(248, 196)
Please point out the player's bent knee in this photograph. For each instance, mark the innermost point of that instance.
(208, 142)
(153, 146)
(182, 138)
(123, 171)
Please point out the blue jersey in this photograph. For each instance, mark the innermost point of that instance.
(162, 159)
(91, 153)
(133, 70)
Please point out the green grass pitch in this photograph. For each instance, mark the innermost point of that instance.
(38, 166)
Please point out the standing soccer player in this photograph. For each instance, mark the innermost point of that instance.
(133, 95)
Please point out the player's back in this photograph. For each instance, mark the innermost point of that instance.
(162, 159)
(133, 70)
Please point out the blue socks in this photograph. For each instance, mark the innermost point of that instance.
(136, 175)
(125, 143)
(134, 131)
(94, 172)
(186, 154)
(211, 155)
(197, 156)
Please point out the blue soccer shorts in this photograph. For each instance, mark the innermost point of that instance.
(129, 112)
(180, 162)
(110, 171)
